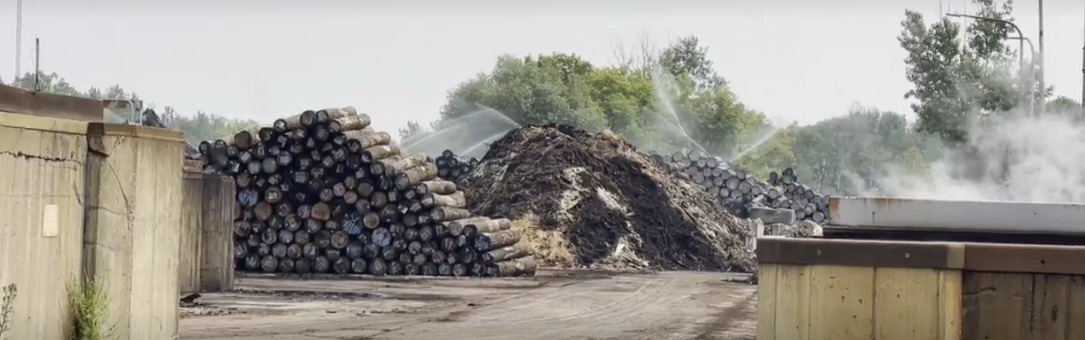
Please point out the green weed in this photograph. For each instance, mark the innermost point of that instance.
(7, 306)
(89, 308)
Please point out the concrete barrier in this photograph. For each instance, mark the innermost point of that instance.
(133, 222)
(850, 289)
(82, 199)
(41, 220)
(206, 249)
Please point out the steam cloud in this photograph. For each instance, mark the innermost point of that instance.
(1045, 164)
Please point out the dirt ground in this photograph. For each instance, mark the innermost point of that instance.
(553, 305)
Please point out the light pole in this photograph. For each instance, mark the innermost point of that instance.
(1043, 90)
(1020, 37)
(1032, 71)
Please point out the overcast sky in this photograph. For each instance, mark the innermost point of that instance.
(793, 60)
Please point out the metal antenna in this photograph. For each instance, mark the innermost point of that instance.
(18, 37)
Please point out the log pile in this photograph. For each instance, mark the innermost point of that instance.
(742, 194)
(454, 168)
(323, 192)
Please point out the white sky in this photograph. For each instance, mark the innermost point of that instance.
(792, 59)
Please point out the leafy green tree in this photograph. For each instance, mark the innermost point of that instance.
(531, 90)
(956, 82)
(47, 82)
(1064, 105)
(626, 99)
(199, 127)
(641, 103)
(844, 154)
(687, 57)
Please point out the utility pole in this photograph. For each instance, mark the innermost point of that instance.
(1043, 90)
(18, 37)
(37, 65)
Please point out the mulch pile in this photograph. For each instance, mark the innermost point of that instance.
(592, 200)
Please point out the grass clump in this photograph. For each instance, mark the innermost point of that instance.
(89, 303)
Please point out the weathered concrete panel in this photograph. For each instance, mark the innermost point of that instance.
(217, 246)
(957, 215)
(133, 224)
(188, 265)
(41, 189)
(206, 249)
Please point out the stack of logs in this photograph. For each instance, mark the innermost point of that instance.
(738, 192)
(322, 192)
(454, 168)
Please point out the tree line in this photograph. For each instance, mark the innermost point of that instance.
(198, 127)
(674, 99)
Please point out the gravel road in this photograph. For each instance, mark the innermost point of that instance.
(554, 305)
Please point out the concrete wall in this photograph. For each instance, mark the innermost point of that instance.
(133, 218)
(188, 259)
(206, 249)
(82, 199)
(41, 218)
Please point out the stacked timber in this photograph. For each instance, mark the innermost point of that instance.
(743, 195)
(323, 192)
(454, 168)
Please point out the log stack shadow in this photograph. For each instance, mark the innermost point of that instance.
(324, 192)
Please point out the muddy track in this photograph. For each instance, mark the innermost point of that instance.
(671, 305)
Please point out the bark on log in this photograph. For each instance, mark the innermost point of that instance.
(415, 175)
(381, 152)
(440, 187)
(369, 139)
(492, 225)
(495, 240)
(519, 267)
(245, 140)
(349, 123)
(515, 251)
(455, 200)
(441, 214)
(406, 162)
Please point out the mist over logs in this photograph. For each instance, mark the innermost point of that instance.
(745, 196)
(323, 192)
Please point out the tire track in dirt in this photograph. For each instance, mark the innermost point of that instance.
(736, 322)
(572, 312)
(669, 305)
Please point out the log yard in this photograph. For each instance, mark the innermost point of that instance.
(322, 226)
(554, 196)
